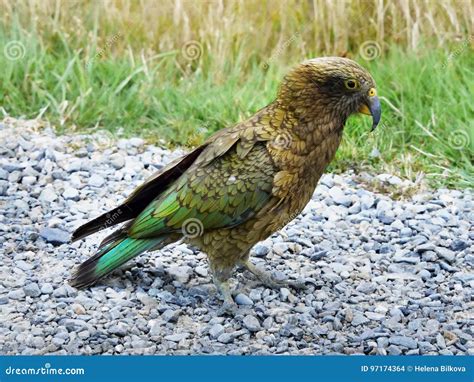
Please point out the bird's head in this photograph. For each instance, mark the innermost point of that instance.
(330, 87)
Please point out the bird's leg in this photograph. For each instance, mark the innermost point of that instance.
(229, 306)
(267, 279)
(221, 281)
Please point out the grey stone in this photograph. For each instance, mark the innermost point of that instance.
(17, 294)
(136, 142)
(170, 315)
(251, 323)
(338, 196)
(261, 250)
(121, 329)
(54, 236)
(32, 290)
(358, 319)
(445, 254)
(177, 337)
(403, 341)
(71, 193)
(180, 273)
(216, 330)
(366, 287)
(96, 180)
(459, 245)
(394, 350)
(242, 299)
(367, 201)
(117, 161)
(28, 180)
(60, 292)
(46, 288)
(23, 265)
(225, 338)
(48, 195)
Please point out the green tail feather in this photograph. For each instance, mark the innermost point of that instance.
(110, 257)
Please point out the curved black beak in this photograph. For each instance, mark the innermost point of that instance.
(372, 108)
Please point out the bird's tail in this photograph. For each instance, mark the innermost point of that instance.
(110, 256)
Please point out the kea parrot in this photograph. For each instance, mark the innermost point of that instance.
(244, 183)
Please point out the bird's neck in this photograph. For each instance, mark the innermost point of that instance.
(311, 125)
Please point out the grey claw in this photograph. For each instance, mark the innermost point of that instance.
(229, 309)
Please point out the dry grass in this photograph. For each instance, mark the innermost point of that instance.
(234, 32)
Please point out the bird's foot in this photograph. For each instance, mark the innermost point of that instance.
(266, 278)
(228, 308)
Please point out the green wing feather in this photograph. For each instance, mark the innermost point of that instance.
(224, 193)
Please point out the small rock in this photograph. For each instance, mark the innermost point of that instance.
(225, 338)
(459, 245)
(366, 287)
(445, 254)
(338, 196)
(407, 342)
(32, 290)
(367, 201)
(54, 236)
(170, 315)
(177, 337)
(48, 195)
(180, 273)
(201, 271)
(155, 328)
(216, 330)
(136, 142)
(78, 309)
(71, 193)
(242, 299)
(96, 181)
(358, 319)
(251, 323)
(261, 250)
(46, 288)
(394, 350)
(28, 180)
(121, 329)
(117, 161)
(17, 294)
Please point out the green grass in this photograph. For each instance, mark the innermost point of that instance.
(427, 100)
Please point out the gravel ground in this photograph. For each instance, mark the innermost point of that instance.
(386, 276)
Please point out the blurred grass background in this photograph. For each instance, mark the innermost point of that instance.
(176, 71)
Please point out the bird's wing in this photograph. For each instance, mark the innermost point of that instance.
(141, 197)
(230, 182)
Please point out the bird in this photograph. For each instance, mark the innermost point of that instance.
(244, 183)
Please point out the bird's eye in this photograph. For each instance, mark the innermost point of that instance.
(351, 84)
